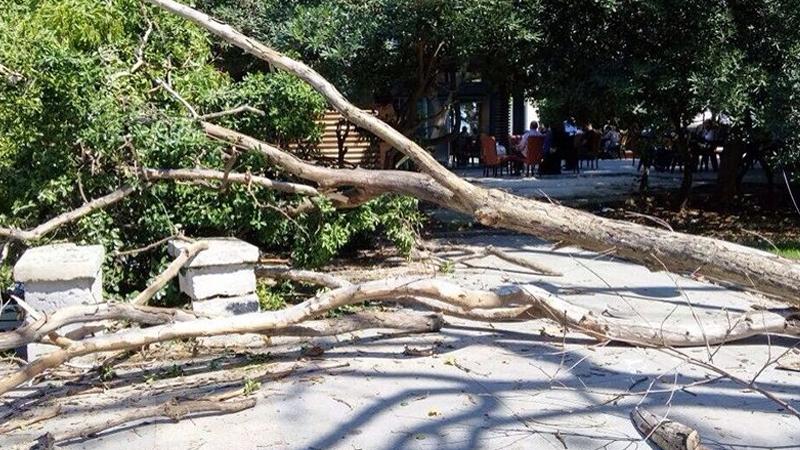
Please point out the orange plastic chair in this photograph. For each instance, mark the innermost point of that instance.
(535, 153)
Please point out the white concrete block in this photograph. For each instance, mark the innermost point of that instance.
(227, 306)
(59, 262)
(220, 252)
(58, 276)
(213, 281)
(49, 296)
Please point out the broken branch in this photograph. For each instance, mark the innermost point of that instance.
(174, 409)
(541, 304)
(216, 175)
(667, 434)
(75, 214)
(169, 273)
(233, 111)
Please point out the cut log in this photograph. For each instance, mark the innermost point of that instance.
(667, 434)
(653, 247)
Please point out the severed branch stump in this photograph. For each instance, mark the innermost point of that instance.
(667, 434)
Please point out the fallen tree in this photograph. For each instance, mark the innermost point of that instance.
(348, 188)
(656, 248)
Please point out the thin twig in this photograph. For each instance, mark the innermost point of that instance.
(653, 219)
(146, 248)
(233, 111)
(174, 409)
(749, 384)
(179, 98)
(12, 76)
(139, 53)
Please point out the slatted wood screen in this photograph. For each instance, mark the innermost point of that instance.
(360, 151)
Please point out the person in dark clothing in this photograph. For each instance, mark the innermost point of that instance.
(551, 165)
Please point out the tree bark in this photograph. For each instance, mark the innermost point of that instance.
(728, 178)
(715, 258)
(665, 433)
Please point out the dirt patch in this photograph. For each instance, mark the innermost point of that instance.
(759, 219)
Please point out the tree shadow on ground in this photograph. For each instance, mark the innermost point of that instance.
(522, 411)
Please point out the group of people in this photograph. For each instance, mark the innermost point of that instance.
(566, 144)
(568, 141)
(563, 144)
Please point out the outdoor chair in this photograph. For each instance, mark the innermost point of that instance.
(590, 150)
(535, 154)
(491, 160)
(489, 156)
(574, 152)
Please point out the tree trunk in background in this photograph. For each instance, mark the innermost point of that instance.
(688, 163)
(729, 166)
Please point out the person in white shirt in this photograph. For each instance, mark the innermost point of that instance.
(523, 143)
(501, 149)
(570, 128)
(611, 139)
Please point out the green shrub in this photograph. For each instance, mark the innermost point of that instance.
(76, 124)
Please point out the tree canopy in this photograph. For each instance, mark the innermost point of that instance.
(395, 51)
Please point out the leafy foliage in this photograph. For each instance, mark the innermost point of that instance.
(659, 63)
(395, 50)
(77, 122)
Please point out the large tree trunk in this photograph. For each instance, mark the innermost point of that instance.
(729, 167)
(654, 247)
(685, 152)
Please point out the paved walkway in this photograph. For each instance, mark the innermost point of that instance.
(504, 386)
(612, 180)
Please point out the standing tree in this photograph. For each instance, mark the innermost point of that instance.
(756, 84)
(401, 52)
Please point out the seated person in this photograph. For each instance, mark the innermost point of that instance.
(501, 149)
(548, 139)
(610, 142)
(522, 147)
